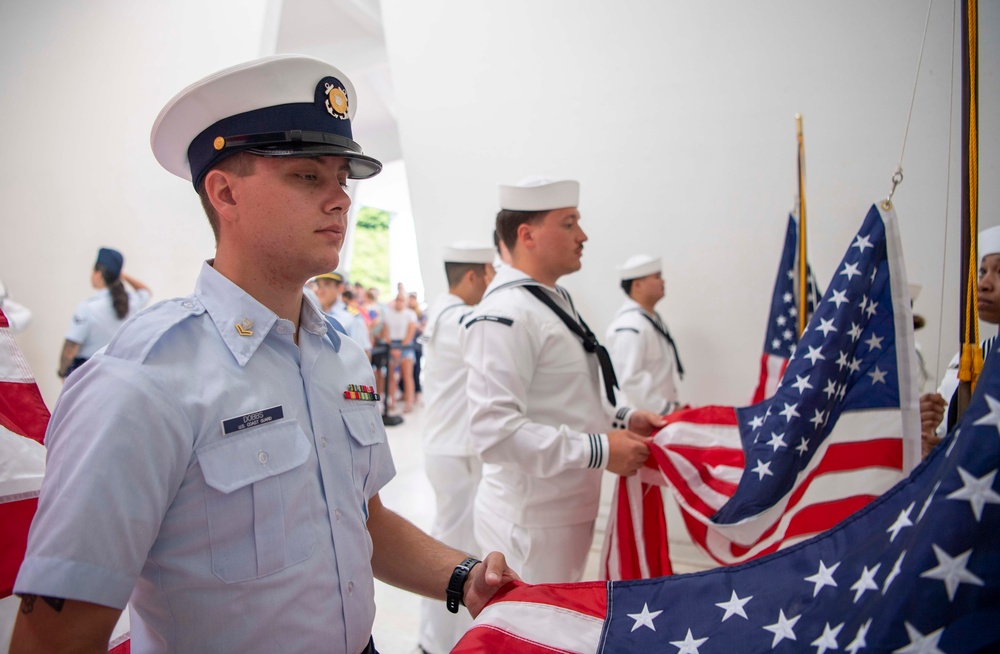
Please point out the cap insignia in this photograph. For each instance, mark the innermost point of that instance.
(334, 98)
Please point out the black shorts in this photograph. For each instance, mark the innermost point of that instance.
(380, 355)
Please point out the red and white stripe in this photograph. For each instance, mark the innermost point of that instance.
(23, 420)
(553, 618)
(772, 367)
(698, 455)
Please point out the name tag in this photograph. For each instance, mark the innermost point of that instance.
(255, 419)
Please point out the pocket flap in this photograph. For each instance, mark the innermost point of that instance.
(260, 453)
(364, 424)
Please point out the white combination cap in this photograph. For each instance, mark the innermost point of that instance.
(466, 252)
(989, 242)
(280, 106)
(539, 194)
(640, 265)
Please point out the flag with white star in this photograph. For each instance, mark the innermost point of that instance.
(841, 428)
(782, 334)
(917, 570)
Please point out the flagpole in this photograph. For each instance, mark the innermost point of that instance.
(972, 356)
(802, 278)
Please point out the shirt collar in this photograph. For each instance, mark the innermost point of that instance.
(242, 321)
(511, 276)
(446, 302)
(313, 320)
(632, 305)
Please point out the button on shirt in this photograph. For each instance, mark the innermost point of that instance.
(234, 539)
(95, 322)
(643, 359)
(539, 418)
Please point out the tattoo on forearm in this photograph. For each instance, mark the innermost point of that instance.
(28, 603)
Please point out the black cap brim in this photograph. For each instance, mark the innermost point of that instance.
(361, 166)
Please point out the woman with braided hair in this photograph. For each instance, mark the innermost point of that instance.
(97, 318)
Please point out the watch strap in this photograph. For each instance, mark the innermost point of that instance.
(456, 585)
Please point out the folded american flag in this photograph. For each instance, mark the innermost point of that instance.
(916, 570)
(842, 428)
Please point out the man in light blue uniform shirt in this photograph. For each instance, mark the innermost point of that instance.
(329, 286)
(218, 466)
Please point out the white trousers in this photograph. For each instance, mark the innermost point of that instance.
(454, 480)
(540, 555)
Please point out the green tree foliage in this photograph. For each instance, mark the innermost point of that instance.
(370, 260)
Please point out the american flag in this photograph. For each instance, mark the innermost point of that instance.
(782, 322)
(916, 570)
(842, 428)
(23, 420)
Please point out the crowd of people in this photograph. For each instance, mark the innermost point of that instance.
(389, 334)
(227, 487)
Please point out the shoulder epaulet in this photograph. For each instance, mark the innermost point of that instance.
(353, 311)
(140, 333)
(627, 329)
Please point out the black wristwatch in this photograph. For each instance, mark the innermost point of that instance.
(456, 584)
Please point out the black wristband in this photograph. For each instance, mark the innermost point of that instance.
(456, 585)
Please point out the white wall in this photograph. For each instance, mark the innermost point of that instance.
(677, 118)
(81, 84)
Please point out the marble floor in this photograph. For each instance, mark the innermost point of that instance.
(409, 493)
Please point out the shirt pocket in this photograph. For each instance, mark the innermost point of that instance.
(257, 499)
(364, 424)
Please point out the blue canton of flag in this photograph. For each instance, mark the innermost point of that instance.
(782, 334)
(846, 361)
(782, 327)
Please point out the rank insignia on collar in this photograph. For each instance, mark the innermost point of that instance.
(359, 392)
(245, 327)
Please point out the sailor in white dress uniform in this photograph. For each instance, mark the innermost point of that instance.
(451, 465)
(934, 407)
(641, 347)
(540, 417)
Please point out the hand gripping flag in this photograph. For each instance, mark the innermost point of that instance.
(842, 427)
(916, 570)
(782, 333)
(23, 420)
